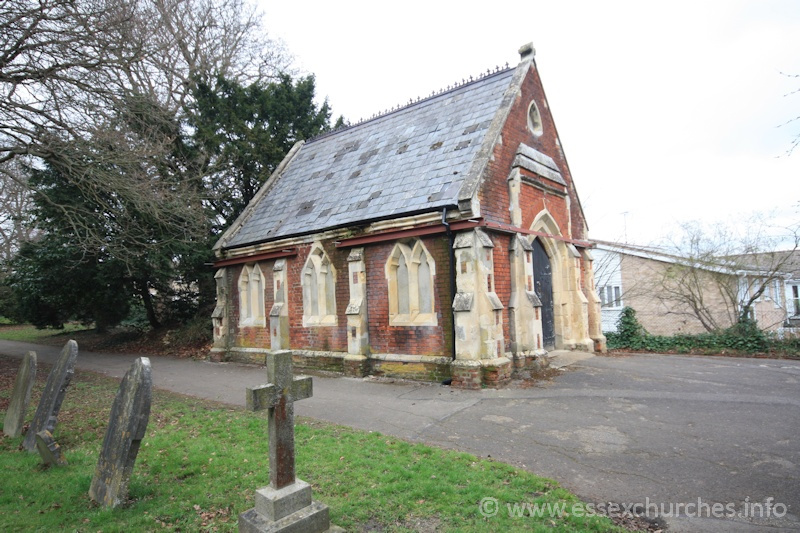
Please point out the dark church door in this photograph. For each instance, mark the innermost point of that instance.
(543, 276)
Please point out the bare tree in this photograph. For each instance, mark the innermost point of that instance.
(15, 201)
(192, 40)
(56, 70)
(610, 258)
(65, 65)
(795, 142)
(721, 272)
(98, 89)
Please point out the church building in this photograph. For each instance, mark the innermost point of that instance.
(441, 240)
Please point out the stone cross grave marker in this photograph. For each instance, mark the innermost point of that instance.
(53, 394)
(127, 423)
(286, 504)
(20, 396)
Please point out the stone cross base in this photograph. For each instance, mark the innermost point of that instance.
(288, 510)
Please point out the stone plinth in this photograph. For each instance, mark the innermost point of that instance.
(356, 366)
(466, 375)
(288, 509)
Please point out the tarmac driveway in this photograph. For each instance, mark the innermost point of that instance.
(660, 430)
(644, 429)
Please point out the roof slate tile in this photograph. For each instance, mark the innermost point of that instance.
(410, 160)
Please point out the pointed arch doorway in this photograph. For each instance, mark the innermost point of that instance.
(543, 281)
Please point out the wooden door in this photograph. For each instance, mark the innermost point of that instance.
(543, 281)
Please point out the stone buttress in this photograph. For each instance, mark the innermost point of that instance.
(478, 315)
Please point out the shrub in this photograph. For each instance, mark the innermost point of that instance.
(193, 332)
(744, 337)
(629, 332)
(137, 318)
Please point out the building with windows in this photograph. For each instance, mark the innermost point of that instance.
(787, 288)
(443, 239)
(677, 295)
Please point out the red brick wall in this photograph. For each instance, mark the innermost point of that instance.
(502, 278)
(250, 337)
(415, 340)
(324, 338)
(533, 200)
(494, 190)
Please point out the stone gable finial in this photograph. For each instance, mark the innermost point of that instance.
(527, 51)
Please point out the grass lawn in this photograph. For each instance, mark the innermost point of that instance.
(200, 463)
(115, 340)
(28, 333)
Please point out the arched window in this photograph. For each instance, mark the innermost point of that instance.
(319, 289)
(425, 280)
(534, 119)
(251, 297)
(409, 272)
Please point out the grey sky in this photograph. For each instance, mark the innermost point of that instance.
(666, 111)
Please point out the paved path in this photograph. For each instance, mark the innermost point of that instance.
(651, 429)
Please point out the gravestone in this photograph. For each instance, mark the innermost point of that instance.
(53, 394)
(49, 449)
(286, 504)
(20, 396)
(126, 427)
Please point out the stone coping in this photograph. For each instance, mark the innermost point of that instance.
(407, 358)
(240, 350)
(320, 353)
(403, 358)
(497, 361)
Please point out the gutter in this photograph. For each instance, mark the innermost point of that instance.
(456, 225)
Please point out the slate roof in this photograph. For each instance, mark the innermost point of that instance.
(409, 161)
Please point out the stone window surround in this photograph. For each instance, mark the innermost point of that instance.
(218, 317)
(534, 119)
(412, 252)
(251, 296)
(318, 265)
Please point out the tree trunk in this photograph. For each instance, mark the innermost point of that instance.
(147, 300)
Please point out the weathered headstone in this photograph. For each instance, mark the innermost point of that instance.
(20, 396)
(53, 394)
(49, 449)
(126, 427)
(286, 504)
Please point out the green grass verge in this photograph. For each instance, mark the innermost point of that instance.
(200, 463)
(28, 333)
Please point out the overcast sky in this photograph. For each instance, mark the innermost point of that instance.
(667, 111)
